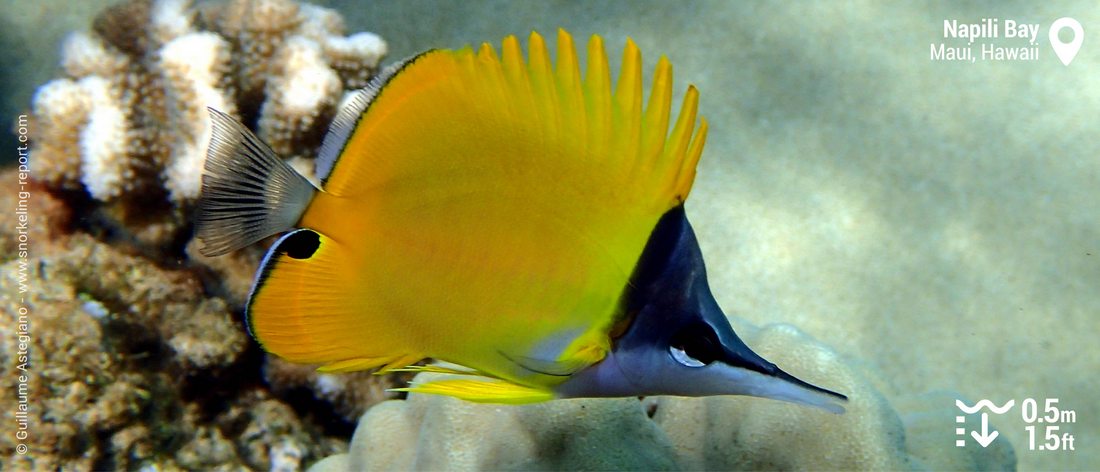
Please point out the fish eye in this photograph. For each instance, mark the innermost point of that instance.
(682, 357)
(695, 346)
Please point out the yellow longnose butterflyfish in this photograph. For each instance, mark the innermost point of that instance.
(510, 217)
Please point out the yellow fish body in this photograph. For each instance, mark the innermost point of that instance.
(479, 209)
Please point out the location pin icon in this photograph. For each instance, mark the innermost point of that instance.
(1066, 51)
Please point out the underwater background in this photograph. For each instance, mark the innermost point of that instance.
(934, 223)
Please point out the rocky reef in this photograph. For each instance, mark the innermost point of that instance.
(131, 363)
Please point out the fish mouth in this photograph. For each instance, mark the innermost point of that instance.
(708, 358)
(779, 385)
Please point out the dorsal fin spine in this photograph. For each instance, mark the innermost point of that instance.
(515, 74)
(493, 83)
(655, 125)
(542, 82)
(628, 103)
(687, 170)
(679, 141)
(597, 93)
(569, 86)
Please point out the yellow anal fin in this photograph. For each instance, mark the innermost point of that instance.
(439, 369)
(399, 362)
(482, 391)
(384, 365)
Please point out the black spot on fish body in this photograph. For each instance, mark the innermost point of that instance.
(301, 244)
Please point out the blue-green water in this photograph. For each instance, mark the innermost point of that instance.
(937, 220)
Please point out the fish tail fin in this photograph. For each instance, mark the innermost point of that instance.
(248, 192)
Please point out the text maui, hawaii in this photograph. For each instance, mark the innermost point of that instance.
(987, 29)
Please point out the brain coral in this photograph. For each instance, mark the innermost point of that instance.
(661, 433)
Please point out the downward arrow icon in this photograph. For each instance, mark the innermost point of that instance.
(987, 436)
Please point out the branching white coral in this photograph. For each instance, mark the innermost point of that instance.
(133, 117)
(62, 104)
(170, 19)
(348, 55)
(318, 23)
(195, 68)
(105, 166)
(83, 55)
(302, 88)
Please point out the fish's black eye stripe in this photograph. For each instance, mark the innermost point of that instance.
(301, 244)
(700, 342)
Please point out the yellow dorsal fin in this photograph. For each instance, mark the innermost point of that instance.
(627, 113)
(543, 86)
(481, 391)
(597, 96)
(655, 126)
(570, 90)
(449, 104)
